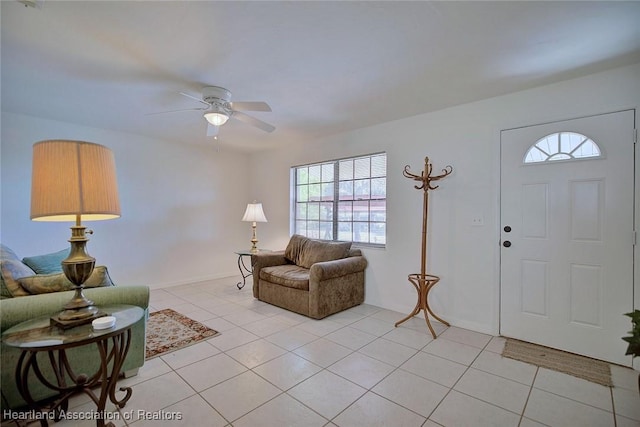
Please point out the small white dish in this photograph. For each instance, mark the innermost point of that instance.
(104, 322)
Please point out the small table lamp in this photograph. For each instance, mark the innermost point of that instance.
(72, 181)
(254, 213)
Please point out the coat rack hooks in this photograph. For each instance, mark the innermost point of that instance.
(422, 281)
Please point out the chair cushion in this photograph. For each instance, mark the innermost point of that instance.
(294, 248)
(57, 282)
(305, 252)
(289, 275)
(318, 251)
(47, 264)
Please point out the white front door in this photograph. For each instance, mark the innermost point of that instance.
(567, 234)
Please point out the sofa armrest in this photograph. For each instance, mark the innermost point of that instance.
(341, 267)
(17, 310)
(265, 259)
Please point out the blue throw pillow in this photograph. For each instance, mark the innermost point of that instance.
(47, 264)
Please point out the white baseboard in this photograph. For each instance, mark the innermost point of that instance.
(193, 280)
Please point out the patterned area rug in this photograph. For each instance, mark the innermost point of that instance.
(583, 367)
(168, 331)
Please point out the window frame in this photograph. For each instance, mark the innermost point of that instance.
(335, 220)
(568, 156)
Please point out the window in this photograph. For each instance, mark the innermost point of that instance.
(342, 199)
(562, 146)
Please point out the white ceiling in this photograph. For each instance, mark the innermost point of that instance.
(324, 67)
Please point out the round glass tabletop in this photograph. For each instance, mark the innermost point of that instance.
(250, 252)
(39, 334)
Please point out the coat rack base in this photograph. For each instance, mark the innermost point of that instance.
(423, 284)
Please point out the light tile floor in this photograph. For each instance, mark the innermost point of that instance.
(271, 367)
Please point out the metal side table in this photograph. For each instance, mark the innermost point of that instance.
(245, 271)
(36, 335)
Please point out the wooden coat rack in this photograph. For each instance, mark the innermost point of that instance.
(422, 281)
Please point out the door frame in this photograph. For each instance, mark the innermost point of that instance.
(636, 213)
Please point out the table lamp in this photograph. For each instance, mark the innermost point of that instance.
(253, 214)
(74, 181)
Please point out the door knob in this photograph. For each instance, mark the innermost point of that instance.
(506, 243)
(507, 229)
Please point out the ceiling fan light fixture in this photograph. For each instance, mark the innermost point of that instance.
(216, 118)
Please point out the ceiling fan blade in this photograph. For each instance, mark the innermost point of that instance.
(253, 121)
(250, 106)
(212, 130)
(193, 97)
(175, 111)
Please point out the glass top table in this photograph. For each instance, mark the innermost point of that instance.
(38, 335)
(245, 271)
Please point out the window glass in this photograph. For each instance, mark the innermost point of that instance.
(302, 193)
(313, 211)
(379, 188)
(342, 200)
(379, 166)
(345, 211)
(362, 168)
(361, 188)
(327, 172)
(302, 175)
(326, 211)
(562, 146)
(301, 211)
(315, 173)
(346, 190)
(346, 169)
(327, 191)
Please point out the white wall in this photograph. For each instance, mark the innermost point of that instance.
(180, 212)
(181, 205)
(467, 137)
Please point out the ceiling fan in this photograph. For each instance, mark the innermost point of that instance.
(218, 108)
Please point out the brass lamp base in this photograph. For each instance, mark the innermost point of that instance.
(254, 239)
(77, 267)
(78, 311)
(62, 323)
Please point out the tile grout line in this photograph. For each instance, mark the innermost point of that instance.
(352, 352)
(526, 402)
(239, 303)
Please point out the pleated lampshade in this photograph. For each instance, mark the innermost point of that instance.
(71, 178)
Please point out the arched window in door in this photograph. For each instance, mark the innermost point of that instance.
(562, 146)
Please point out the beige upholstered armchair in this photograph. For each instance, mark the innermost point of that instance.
(311, 277)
